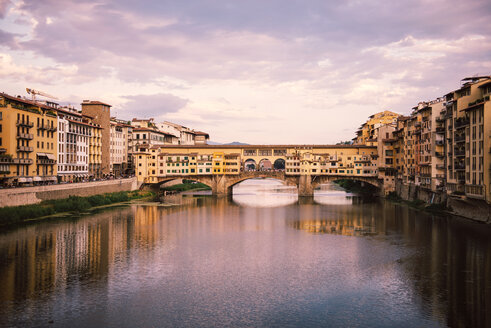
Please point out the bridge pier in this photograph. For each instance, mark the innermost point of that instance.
(304, 185)
(220, 185)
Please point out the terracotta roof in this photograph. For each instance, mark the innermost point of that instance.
(25, 101)
(94, 102)
(266, 146)
(67, 111)
(201, 133)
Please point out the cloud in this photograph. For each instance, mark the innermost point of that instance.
(284, 68)
(4, 4)
(155, 106)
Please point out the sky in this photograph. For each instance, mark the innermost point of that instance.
(256, 71)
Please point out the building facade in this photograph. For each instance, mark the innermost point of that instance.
(28, 141)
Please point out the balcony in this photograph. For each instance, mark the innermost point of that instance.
(461, 123)
(25, 148)
(440, 129)
(460, 138)
(22, 161)
(439, 154)
(440, 166)
(27, 136)
(24, 123)
(46, 161)
(440, 176)
(474, 191)
(6, 159)
(439, 142)
(459, 167)
(440, 119)
(460, 153)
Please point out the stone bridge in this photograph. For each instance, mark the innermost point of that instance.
(223, 184)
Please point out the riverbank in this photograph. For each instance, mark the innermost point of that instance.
(12, 215)
(187, 185)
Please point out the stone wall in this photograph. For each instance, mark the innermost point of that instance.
(469, 208)
(474, 209)
(34, 195)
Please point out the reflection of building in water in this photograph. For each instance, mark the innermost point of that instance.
(28, 264)
(337, 219)
(338, 227)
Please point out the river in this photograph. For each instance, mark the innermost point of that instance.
(262, 258)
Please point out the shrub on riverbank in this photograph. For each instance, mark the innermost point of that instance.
(187, 185)
(16, 214)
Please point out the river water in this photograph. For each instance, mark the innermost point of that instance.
(263, 257)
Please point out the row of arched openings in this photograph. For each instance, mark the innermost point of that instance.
(264, 165)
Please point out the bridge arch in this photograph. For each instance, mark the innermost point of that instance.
(204, 180)
(265, 165)
(279, 164)
(376, 183)
(250, 165)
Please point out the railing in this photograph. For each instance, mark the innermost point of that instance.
(46, 161)
(460, 123)
(22, 161)
(460, 138)
(459, 167)
(24, 123)
(25, 148)
(6, 159)
(27, 136)
(460, 153)
(474, 191)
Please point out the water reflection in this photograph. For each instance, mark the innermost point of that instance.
(332, 194)
(209, 261)
(264, 193)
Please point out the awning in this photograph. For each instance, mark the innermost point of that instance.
(52, 179)
(37, 179)
(22, 180)
(28, 179)
(41, 155)
(50, 156)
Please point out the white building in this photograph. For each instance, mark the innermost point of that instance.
(73, 145)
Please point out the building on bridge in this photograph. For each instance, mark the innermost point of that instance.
(158, 164)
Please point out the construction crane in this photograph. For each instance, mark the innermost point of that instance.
(33, 94)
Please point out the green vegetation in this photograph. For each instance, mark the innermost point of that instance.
(418, 204)
(72, 204)
(187, 185)
(393, 196)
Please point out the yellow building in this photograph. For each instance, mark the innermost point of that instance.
(28, 141)
(157, 162)
(95, 148)
(367, 134)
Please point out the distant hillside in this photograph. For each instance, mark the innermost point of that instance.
(235, 143)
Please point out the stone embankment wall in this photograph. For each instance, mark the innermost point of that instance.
(474, 209)
(34, 195)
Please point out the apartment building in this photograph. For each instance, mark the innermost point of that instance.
(120, 148)
(28, 141)
(367, 133)
(73, 145)
(100, 114)
(95, 148)
(468, 136)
